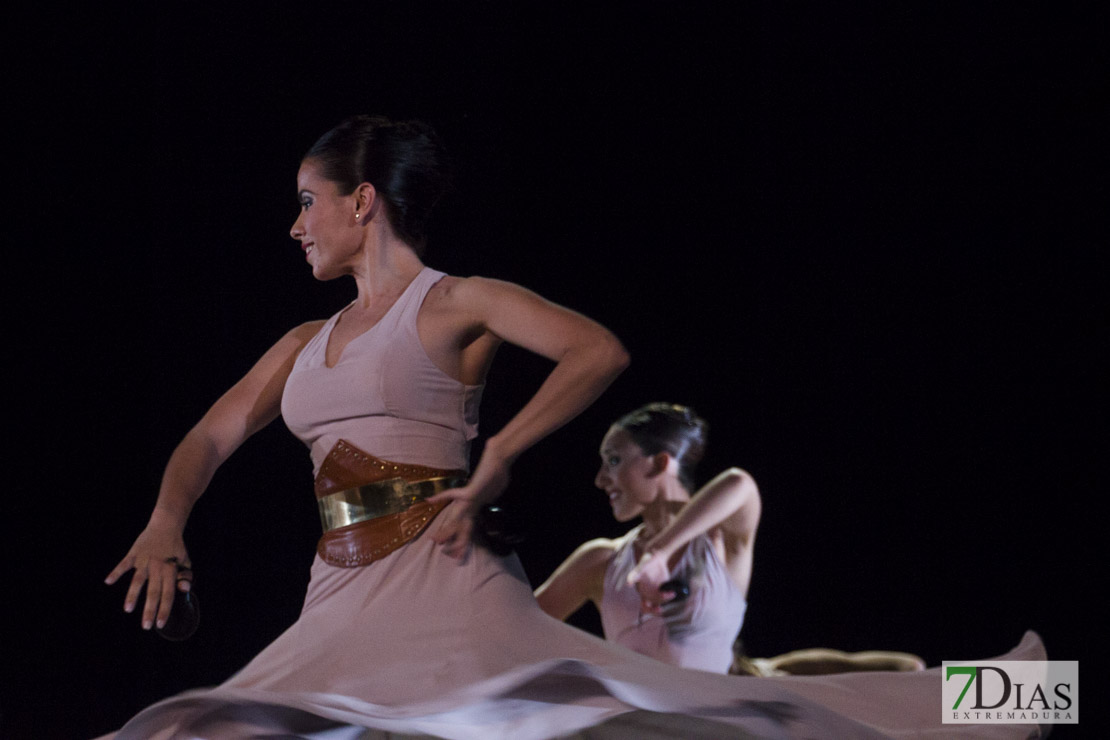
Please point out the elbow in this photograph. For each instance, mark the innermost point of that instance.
(739, 474)
(742, 481)
(616, 356)
(546, 604)
(598, 354)
(621, 360)
(538, 594)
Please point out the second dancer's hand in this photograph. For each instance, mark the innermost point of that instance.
(649, 575)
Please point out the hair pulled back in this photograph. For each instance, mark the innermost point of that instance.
(403, 160)
(671, 428)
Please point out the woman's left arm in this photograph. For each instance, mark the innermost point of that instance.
(729, 502)
(587, 359)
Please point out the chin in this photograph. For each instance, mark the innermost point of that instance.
(322, 274)
(623, 516)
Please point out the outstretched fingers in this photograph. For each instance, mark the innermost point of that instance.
(138, 580)
(165, 602)
(124, 565)
(161, 578)
(158, 561)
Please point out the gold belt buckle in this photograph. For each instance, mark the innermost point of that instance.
(378, 499)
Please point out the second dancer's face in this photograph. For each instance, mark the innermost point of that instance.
(326, 227)
(626, 475)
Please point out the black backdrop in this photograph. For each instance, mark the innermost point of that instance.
(856, 238)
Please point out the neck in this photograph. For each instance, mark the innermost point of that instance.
(385, 267)
(670, 499)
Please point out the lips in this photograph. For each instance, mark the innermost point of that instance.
(308, 248)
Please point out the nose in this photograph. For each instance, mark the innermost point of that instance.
(297, 232)
(601, 480)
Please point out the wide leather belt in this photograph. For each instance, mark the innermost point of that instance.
(379, 499)
(370, 507)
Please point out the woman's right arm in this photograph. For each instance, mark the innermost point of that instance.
(249, 405)
(730, 503)
(578, 579)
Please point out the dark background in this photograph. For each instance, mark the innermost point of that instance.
(857, 238)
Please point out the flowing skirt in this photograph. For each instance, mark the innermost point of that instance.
(418, 644)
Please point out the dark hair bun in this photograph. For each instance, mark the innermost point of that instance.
(403, 160)
(671, 428)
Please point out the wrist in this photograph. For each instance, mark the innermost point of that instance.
(167, 518)
(496, 449)
(658, 547)
(470, 506)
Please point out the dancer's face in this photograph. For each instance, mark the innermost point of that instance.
(326, 227)
(626, 475)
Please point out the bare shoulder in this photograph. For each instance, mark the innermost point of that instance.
(740, 526)
(280, 356)
(451, 295)
(595, 551)
(459, 291)
(294, 340)
(445, 287)
(590, 560)
(289, 345)
(255, 400)
(580, 578)
(480, 301)
(306, 331)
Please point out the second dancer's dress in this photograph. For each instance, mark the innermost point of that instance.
(696, 632)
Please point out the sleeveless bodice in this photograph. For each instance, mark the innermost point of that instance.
(695, 633)
(384, 395)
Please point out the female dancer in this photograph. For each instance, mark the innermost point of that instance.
(675, 587)
(406, 626)
(706, 540)
(366, 189)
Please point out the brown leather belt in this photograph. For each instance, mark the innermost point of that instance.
(369, 507)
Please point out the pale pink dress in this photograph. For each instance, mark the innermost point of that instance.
(696, 632)
(421, 644)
